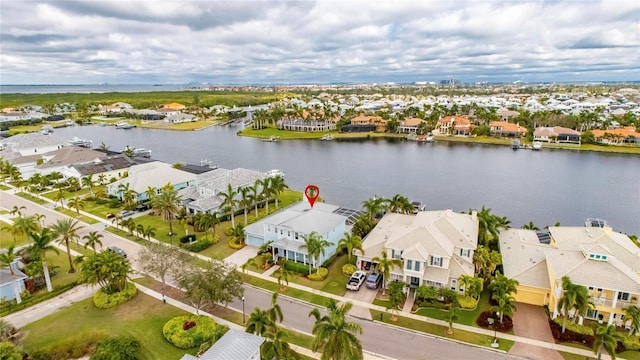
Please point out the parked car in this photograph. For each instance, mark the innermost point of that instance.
(143, 207)
(374, 280)
(118, 251)
(125, 213)
(356, 280)
(110, 215)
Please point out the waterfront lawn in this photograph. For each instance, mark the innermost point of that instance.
(335, 283)
(187, 126)
(142, 317)
(441, 331)
(32, 198)
(284, 134)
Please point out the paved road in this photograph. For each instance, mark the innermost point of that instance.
(377, 338)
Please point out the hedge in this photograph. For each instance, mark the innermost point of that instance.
(120, 348)
(467, 302)
(199, 245)
(235, 245)
(12, 307)
(576, 328)
(349, 269)
(203, 331)
(320, 275)
(104, 301)
(298, 268)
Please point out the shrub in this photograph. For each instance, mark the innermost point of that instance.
(467, 302)
(236, 245)
(631, 342)
(349, 269)
(117, 348)
(73, 347)
(101, 201)
(187, 239)
(203, 331)
(320, 275)
(114, 203)
(103, 300)
(199, 245)
(576, 328)
(298, 268)
(505, 326)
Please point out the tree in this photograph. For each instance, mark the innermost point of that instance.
(452, 315)
(245, 201)
(76, 203)
(472, 285)
(606, 338)
(255, 196)
(107, 269)
(396, 298)
(150, 192)
(374, 206)
(259, 322)
(505, 305)
(149, 231)
(218, 282)
(208, 221)
(66, 230)
(102, 179)
(486, 262)
(23, 226)
(42, 243)
(385, 265)
(265, 193)
(88, 182)
(632, 312)
(276, 346)
(315, 245)
(400, 204)
(275, 312)
(530, 226)
(277, 186)
(363, 225)
(59, 197)
(92, 239)
(334, 336)
(229, 203)
(237, 233)
(6, 258)
(501, 285)
(489, 226)
(166, 204)
(160, 260)
(17, 210)
(282, 275)
(350, 242)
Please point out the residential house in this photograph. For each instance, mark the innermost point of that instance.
(506, 129)
(234, 345)
(174, 106)
(203, 195)
(154, 174)
(306, 125)
(112, 166)
(626, 135)
(364, 123)
(436, 247)
(410, 126)
(287, 227)
(31, 144)
(180, 118)
(168, 111)
(57, 160)
(10, 284)
(606, 262)
(506, 114)
(556, 134)
(454, 125)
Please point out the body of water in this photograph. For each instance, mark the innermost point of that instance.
(545, 187)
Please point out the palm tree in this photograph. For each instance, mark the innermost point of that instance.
(472, 285)
(350, 242)
(151, 192)
(166, 204)
(530, 226)
(632, 312)
(245, 201)
(505, 305)
(209, 221)
(452, 315)
(334, 335)
(42, 243)
(486, 262)
(265, 192)
(92, 239)
(76, 203)
(6, 258)
(606, 338)
(374, 206)
(255, 196)
(275, 312)
(249, 262)
(501, 285)
(489, 226)
(17, 210)
(568, 299)
(66, 230)
(108, 269)
(282, 275)
(385, 265)
(102, 179)
(229, 203)
(149, 231)
(259, 322)
(59, 197)
(400, 204)
(277, 347)
(88, 182)
(277, 186)
(315, 245)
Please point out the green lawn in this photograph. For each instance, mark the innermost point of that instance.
(4, 187)
(141, 317)
(6, 238)
(32, 198)
(335, 283)
(51, 195)
(425, 327)
(467, 317)
(289, 291)
(74, 214)
(61, 261)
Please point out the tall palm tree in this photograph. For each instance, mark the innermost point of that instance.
(505, 305)
(568, 299)
(632, 312)
(88, 182)
(59, 197)
(259, 322)
(245, 201)
(92, 239)
(275, 312)
(149, 231)
(150, 192)
(334, 336)
(606, 338)
(489, 226)
(276, 347)
(315, 245)
(385, 265)
(42, 243)
(229, 203)
(208, 221)
(76, 203)
(400, 204)
(350, 242)
(6, 258)
(265, 192)
(23, 226)
(167, 205)
(66, 230)
(277, 186)
(374, 206)
(254, 194)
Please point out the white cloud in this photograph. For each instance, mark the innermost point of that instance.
(317, 41)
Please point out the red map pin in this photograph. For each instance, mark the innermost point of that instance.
(312, 192)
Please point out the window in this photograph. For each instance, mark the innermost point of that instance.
(623, 296)
(281, 232)
(296, 236)
(417, 266)
(409, 263)
(465, 252)
(436, 261)
(393, 254)
(591, 256)
(288, 233)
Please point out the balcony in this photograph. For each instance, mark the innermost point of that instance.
(604, 302)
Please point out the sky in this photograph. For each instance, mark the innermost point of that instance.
(335, 41)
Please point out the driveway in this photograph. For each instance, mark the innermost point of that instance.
(241, 256)
(531, 322)
(365, 295)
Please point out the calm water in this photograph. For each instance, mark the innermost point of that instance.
(543, 187)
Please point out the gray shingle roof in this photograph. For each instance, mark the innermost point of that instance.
(235, 345)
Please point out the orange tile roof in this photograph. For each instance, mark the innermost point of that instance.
(507, 127)
(458, 120)
(412, 122)
(174, 105)
(626, 132)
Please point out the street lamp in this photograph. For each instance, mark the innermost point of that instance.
(243, 318)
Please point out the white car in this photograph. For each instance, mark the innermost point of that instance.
(356, 280)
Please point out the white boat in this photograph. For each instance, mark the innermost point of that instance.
(81, 142)
(429, 138)
(418, 206)
(142, 152)
(46, 130)
(124, 125)
(272, 138)
(537, 145)
(327, 137)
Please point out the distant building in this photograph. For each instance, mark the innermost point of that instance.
(507, 129)
(556, 134)
(454, 125)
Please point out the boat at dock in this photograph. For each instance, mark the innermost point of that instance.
(141, 152)
(272, 138)
(515, 144)
(124, 125)
(81, 142)
(537, 145)
(424, 139)
(327, 137)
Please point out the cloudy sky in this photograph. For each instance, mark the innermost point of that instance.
(248, 42)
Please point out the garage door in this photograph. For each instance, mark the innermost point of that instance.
(530, 297)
